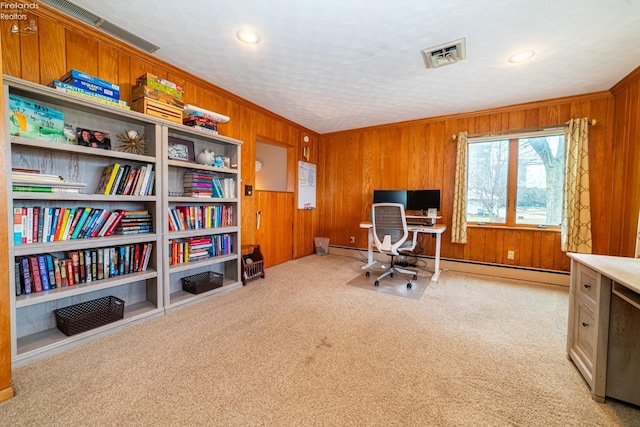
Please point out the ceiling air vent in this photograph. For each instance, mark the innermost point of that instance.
(102, 24)
(445, 54)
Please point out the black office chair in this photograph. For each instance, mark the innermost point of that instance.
(390, 235)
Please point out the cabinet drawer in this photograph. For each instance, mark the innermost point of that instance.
(585, 333)
(586, 285)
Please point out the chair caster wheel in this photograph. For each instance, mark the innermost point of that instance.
(377, 283)
(415, 277)
(409, 285)
(367, 274)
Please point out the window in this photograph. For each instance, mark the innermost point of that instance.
(516, 181)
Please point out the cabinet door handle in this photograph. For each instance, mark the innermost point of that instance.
(585, 324)
(586, 285)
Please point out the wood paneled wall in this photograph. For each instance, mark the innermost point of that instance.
(62, 44)
(421, 154)
(626, 208)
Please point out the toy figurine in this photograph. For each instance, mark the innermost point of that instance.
(206, 157)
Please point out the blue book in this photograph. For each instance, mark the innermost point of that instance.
(81, 221)
(51, 270)
(26, 275)
(54, 221)
(44, 274)
(93, 216)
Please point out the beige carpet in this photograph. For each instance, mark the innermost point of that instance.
(300, 348)
(396, 285)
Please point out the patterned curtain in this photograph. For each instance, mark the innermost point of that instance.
(459, 220)
(576, 205)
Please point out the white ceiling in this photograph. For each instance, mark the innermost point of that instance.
(333, 65)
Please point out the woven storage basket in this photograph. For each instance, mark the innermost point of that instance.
(88, 315)
(202, 282)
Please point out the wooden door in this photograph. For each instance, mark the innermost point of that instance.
(274, 231)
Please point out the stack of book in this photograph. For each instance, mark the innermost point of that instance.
(31, 180)
(84, 85)
(120, 179)
(135, 222)
(202, 119)
(198, 184)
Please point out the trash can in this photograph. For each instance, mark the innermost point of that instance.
(322, 245)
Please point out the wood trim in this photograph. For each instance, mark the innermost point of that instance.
(6, 390)
(629, 79)
(551, 103)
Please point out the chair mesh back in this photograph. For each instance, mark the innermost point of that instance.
(388, 220)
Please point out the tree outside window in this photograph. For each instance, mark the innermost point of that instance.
(516, 181)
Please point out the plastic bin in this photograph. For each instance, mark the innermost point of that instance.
(322, 245)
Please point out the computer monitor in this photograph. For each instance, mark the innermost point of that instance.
(423, 200)
(390, 196)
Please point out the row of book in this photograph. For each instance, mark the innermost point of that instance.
(40, 273)
(119, 179)
(32, 180)
(198, 217)
(199, 248)
(43, 224)
(202, 184)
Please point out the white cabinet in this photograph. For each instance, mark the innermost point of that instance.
(604, 322)
(214, 219)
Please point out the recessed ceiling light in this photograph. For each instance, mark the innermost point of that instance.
(248, 36)
(522, 56)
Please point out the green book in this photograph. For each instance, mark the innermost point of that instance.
(34, 189)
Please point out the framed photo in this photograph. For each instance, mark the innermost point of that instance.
(181, 149)
(93, 138)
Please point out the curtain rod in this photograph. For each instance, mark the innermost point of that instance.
(591, 122)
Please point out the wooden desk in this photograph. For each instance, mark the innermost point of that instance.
(604, 324)
(437, 229)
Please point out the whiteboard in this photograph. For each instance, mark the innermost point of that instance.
(306, 185)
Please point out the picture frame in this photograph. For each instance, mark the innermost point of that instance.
(181, 149)
(93, 138)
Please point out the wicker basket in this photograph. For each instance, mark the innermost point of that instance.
(88, 315)
(203, 282)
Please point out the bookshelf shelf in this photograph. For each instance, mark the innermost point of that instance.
(52, 340)
(79, 150)
(17, 195)
(94, 242)
(220, 259)
(83, 288)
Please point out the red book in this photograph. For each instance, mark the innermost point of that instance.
(115, 222)
(75, 260)
(62, 266)
(70, 276)
(35, 274)
(56, 231)
(36, 222)
(76, 218)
